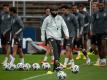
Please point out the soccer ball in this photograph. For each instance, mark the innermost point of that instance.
(20, 66)
(26, 66)
(75, 69)
(10, 67)
(61, 75)
(35, 66)
(60, 68)
(46, 66)
(6, 66)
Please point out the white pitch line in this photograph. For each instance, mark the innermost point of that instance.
(34, 77)
(29, 78)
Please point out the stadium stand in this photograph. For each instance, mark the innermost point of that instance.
(33, 11)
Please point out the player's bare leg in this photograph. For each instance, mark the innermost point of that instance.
(102, 53)
(6, 51)
(71, 60)
(95, 49)
(21, 55)
(69, 57)
(14, 52)
(84, 51)
(48, 52)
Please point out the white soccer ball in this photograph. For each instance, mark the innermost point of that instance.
(20, 66)
(6, 66)
(75, 69)
(61, 75)
(26, 66)
(46, 66)
(10, 67)
(35, 66)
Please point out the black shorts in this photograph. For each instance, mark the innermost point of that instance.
(85, 36)
(5, 39)
(68, 42)
(96, 39)
(78, 43)
(18, 42)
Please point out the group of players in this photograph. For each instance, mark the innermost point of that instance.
(74, 27)
(11, 35)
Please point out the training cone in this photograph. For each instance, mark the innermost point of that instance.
(49, 72)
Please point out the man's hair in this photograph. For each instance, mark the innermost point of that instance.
(13, 9)
(95, 3)
(54, 8)
(100, 3)
(74, 6)
(64, 6)
(47, 8)
(81, 5)
(6, 5)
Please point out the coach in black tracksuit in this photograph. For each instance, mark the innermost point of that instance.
(100, 32)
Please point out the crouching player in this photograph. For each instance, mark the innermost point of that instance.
(17, 34)
(52, 26)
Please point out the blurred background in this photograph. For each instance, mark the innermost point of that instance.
(31, 12)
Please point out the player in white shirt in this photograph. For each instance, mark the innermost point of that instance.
(52, 26)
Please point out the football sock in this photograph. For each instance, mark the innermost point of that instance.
(45, 58)
(66, 61)
(22, 60)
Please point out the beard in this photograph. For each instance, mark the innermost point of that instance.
(54, 14)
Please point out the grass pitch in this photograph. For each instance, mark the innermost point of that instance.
(87, 72)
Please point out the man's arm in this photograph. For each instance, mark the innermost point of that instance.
(43, 29)
(81, 20)
(65, 29)
(92, 20)
(76, 24)
(87, 18)
(21, 26)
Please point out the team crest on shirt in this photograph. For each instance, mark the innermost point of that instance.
(77, 17)
(8, 16)
(2, 18)
(105, 14)
(97, 16)
(13, 21)
(68, 18)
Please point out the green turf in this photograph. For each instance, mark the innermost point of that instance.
(87, 72)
